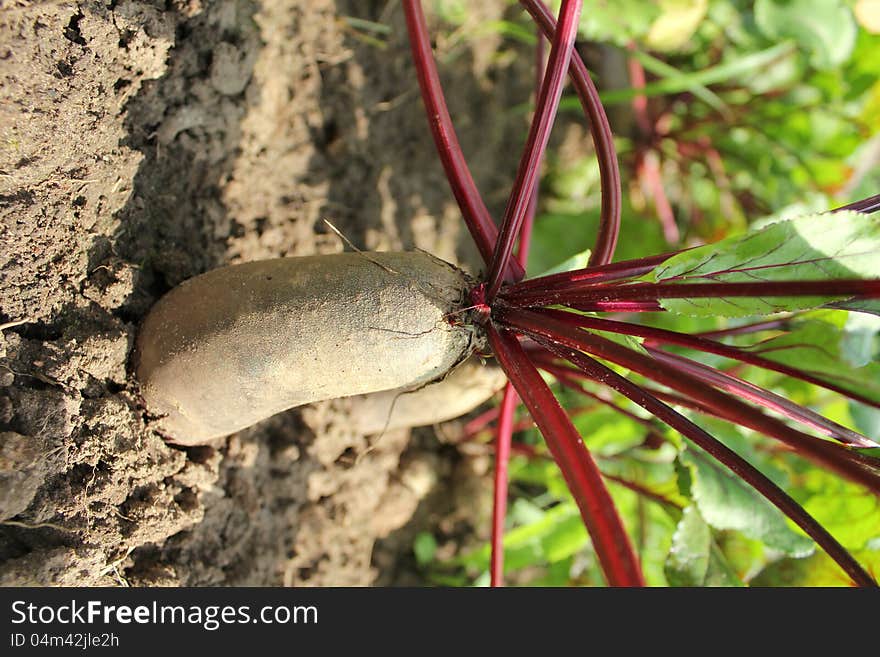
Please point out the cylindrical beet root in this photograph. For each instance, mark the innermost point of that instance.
(461, 391)
(235, 345)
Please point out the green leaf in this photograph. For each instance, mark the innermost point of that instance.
(866, 418)
(824, 29)
(454, 12)
(508, 29)
(676, 25)
(576, 261)
(424, 548)
(817, 570)
(741, 440)
(657, 477)
(813, 247)
(524, 511)
(617, 21)
(628, 341)
(851, 513)
(565, 539)
(524, 545)
(858, 345)
(651, 526)
(726, 502)
(695, 559)
(851, 517)
(745, 556)
(815, 346)
(556, 574)
(554, 242)
(542, 473)
(606, 432)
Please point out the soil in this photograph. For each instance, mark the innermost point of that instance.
(142, 143)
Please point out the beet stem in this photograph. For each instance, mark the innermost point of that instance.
(536, 143)
(610, 541)
(724, 455)
(603, 139)
(473, 209)
(553, 325)
(503, 439)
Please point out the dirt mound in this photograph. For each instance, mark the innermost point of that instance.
(143, 145)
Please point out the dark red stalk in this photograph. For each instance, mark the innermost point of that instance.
(479, 423)
(503, 438)
(678, 400)
(547, 325)
(619, 307)
(706, 407)
(837, 288)
(664, 395)
(865, 206)
(555, 367)
(536, 143)
(530, 453)
(476, 216)
(576, 278)
(563, 375)
(739, 466)
(640, 101)
(505, 429)
(764, 398)
(648, 172)
(654, 335)
(520, 425)
(600, 129)
(612, 545)
(644, 492)
(525, 235)
(684, 402)
(755, 327)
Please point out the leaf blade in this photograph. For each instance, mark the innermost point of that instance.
(727, 503)
(820, 247)
(817, 347)
(694, 558)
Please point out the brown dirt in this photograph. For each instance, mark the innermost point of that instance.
(142, 143)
